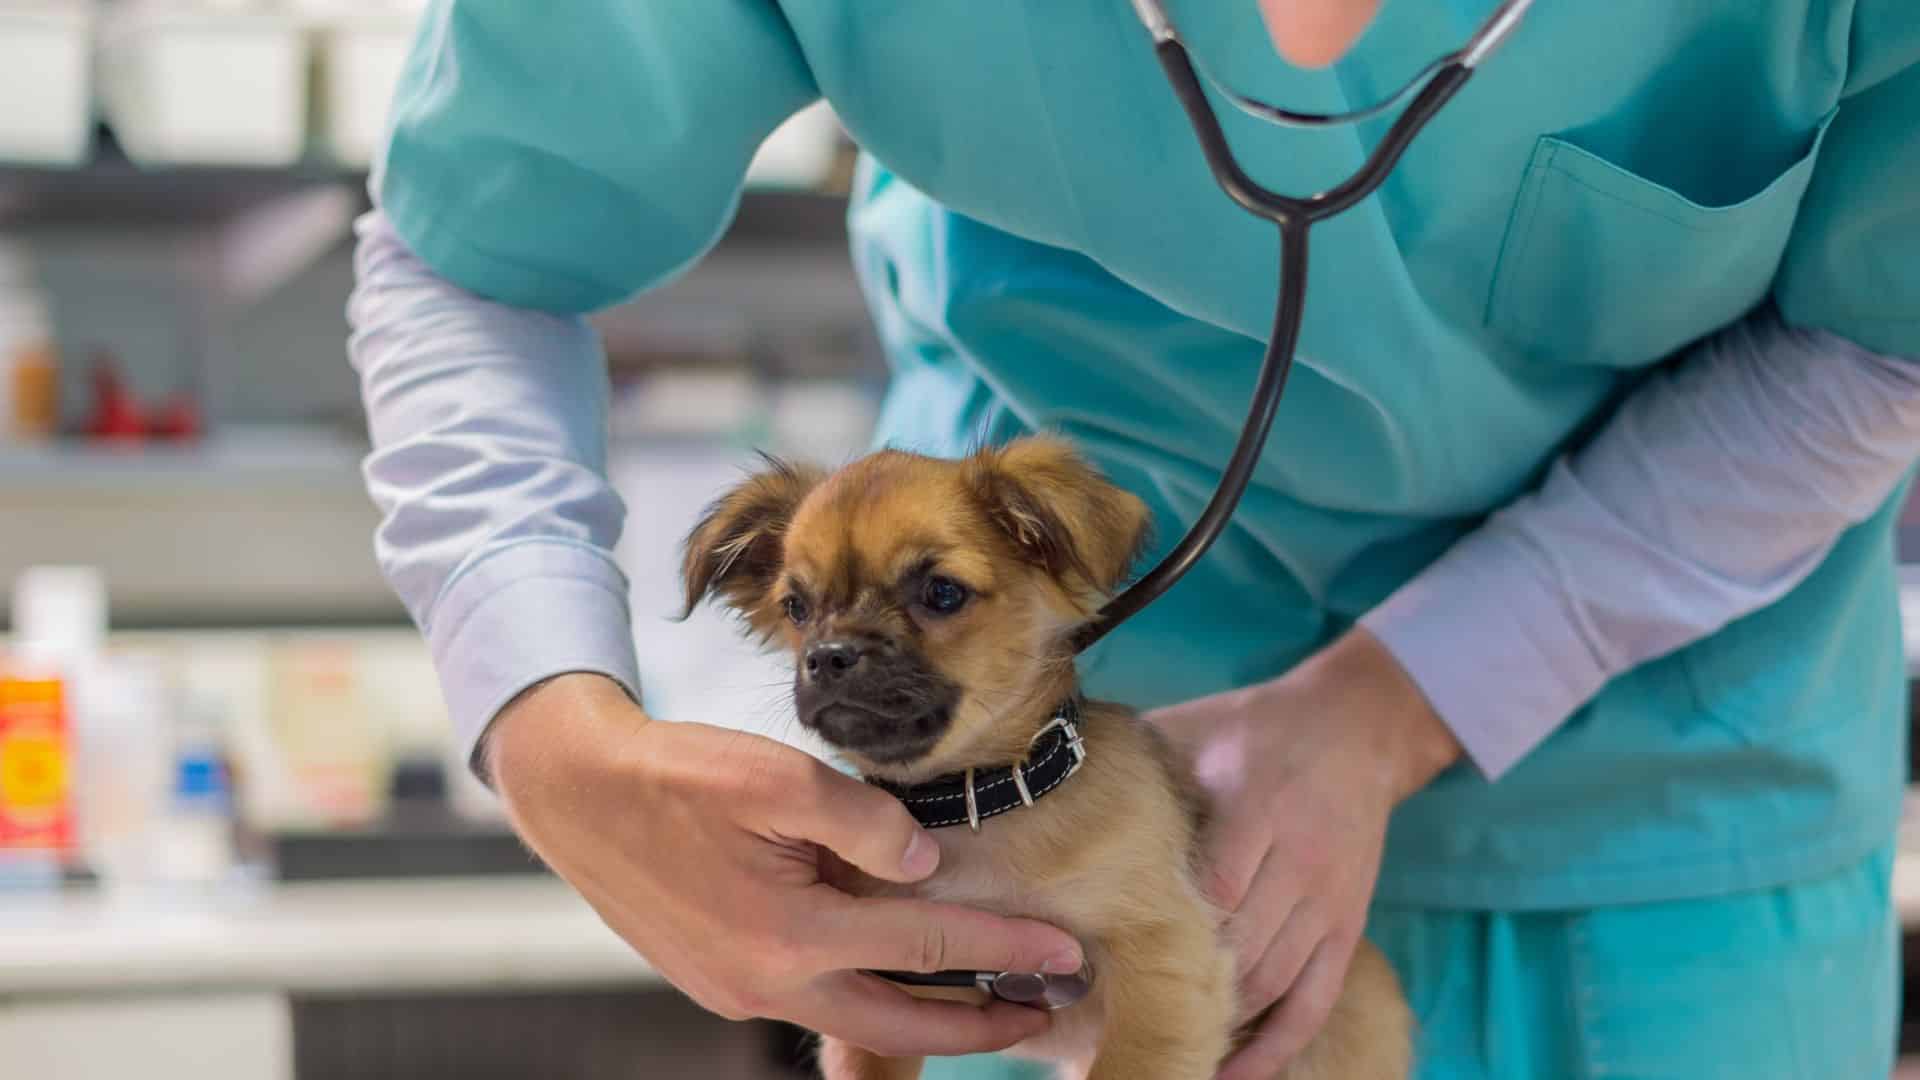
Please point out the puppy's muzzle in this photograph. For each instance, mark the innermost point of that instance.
(864, 695)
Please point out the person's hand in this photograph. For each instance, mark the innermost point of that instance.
(1303, 772)
(1315, 33)
(704, 849)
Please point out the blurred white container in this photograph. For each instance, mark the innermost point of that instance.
(826, 420)
(363, 48)
(123, 769)
(60, 610)
(801, 152)
(182, 86)
(45, 47)
(689, 404)
(194, 839)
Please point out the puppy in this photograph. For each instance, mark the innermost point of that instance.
(928, 604)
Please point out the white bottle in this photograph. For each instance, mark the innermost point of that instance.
(195, 841)
(60, 611)
(124, 771)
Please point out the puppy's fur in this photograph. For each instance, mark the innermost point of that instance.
(857, 572)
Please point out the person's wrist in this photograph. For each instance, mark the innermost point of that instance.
(1391, 720)
(545, 723)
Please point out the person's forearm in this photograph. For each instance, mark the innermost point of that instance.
(488, 465)
(1714, 490)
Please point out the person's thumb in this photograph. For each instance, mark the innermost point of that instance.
(866, 827)
(1315, 33)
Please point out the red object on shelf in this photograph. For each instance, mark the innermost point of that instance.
(177, 419)
(116, 415)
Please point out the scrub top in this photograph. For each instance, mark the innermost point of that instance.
(1044, 248)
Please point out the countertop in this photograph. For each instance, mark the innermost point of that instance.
(381, 936)
(318, 937)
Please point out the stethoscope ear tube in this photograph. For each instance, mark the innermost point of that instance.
(1494, 32)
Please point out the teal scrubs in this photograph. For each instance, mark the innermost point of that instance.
(1044, 248)
(1798, 982)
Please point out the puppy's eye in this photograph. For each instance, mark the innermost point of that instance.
(944, 596)
(796, 609)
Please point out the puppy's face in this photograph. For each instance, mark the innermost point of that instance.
(927, 602)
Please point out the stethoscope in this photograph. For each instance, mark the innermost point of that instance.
(1435, 85)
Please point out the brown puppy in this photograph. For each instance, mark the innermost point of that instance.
(928, 604)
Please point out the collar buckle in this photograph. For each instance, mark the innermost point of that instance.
(1063, 722)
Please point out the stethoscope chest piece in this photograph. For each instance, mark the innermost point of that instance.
(1042, 991)
(1033, 988)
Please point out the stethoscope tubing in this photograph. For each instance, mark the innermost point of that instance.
(1294, 216)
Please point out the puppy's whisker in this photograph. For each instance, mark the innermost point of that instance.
(769, 707)
(786, 729)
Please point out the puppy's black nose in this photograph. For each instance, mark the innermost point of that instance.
(830, 660)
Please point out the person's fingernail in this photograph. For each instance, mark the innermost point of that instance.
(1064, 963)
(923, 854)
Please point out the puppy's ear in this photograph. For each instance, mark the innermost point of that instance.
(1061, 513)
(734, 553)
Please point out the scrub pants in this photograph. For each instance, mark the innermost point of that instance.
(1795, 983)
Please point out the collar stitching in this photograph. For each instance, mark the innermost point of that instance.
(979, 788)
(985, 814)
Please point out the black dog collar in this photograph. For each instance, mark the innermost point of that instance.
(970, 797)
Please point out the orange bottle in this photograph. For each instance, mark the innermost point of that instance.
(29, 364)
(36, 765)
(35, 393)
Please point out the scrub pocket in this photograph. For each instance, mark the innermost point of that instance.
(1601, 266)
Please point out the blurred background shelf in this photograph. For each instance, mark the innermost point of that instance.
(108, 189)
(225, 286)
(234, 457)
